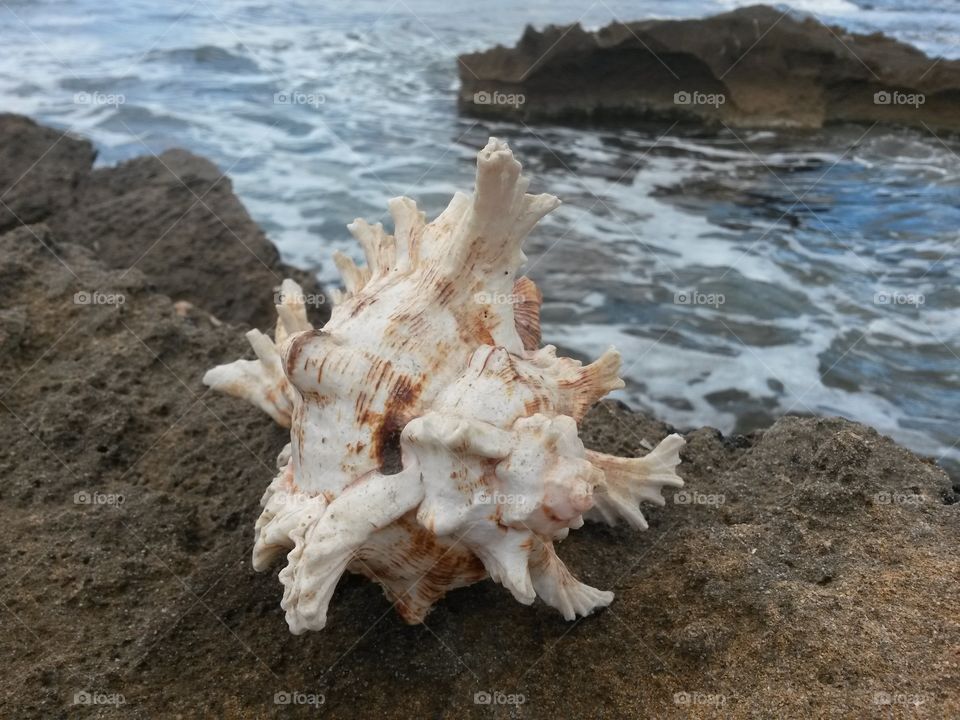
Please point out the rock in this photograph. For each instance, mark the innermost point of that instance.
(752, 67)
(13, 323)
(174, 217)
(805, 571)
(40, 170)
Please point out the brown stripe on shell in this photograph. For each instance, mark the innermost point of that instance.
(526, 313)
(420, 569)
(401, 404)
(296, 349)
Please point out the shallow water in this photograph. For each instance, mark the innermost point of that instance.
(802, 236)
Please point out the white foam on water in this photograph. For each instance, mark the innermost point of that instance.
(693, 210)
(827, 7)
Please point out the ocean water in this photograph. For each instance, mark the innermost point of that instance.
(742, 275)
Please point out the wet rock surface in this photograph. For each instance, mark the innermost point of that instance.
(752, 67)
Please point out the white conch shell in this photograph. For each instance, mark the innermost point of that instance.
(433, 442)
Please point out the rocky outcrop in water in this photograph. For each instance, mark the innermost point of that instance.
(808, 570)
(753, 67)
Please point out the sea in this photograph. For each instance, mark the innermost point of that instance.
(742, 274)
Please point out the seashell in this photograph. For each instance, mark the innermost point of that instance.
(433, 442)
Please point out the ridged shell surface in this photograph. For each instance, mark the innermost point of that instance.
(433, 441)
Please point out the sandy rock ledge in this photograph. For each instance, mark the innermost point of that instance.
(809, 570)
